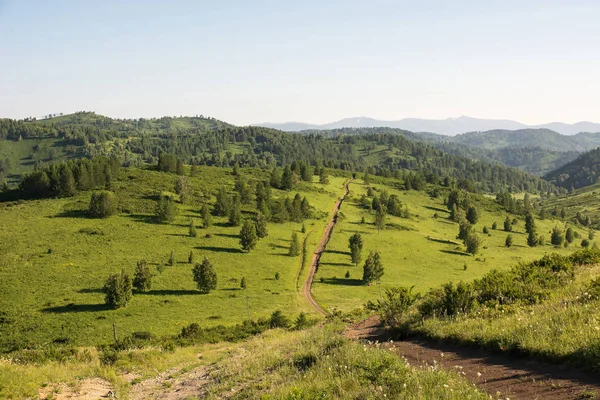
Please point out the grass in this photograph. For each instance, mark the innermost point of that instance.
(23, 155)
(562, 329)
(422, 251)
(322, 364)
(55, 260)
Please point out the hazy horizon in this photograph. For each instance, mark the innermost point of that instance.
(312, 62)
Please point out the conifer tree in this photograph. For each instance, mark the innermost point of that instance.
(142, 280)
(373, 268)
(205, 276)
(192, 229)
(206, 217)
(118, 290)
(248, 237)
(294, 246)
(261, 225)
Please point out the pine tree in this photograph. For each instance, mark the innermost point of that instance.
(323, 178)
(206, 217)
(142, 280)
(472, 243)
(472, 215)
(275, 180)
(507, 225)
(529, 223)
(495, 225)
(294, 246)
(205, 276)
(509, 241)
(373, 268)
(183, 189)
(380, 216)
(166, 209)
(102, 204)
(192, 229)
(235, 214)
(243, 283)
(172, 258)
(118, 290)
(261, 225)
(532, 238)
(248, 237)
(66, 181)
(191, 257)
(355, 243)
(557, 237)
(570, 235)
(287, 179)
(223, 203)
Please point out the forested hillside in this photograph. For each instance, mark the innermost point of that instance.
(205, 141)
(579, 173)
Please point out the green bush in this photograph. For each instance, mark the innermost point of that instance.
(118, 290)
(102, 204)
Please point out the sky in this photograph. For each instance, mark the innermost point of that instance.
(258, 61)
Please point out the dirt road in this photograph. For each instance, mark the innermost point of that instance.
(306, 289)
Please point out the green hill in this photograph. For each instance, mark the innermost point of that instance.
(578, 173)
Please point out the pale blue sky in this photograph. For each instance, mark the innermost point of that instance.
(314, 61)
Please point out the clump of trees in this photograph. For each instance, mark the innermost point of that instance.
(118, 290)
(205, 276)
(102, 204)
(373, 268)
(166, 209)
(355, 244)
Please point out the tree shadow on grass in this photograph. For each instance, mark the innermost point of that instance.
(436, 209)
(443, 241)
(77, 308)
(171, 292)
(88, 290)
(148, 219)
(345, 253)
(335, 264)
(344, 282)
(178, 234)
(228, 235)
(277, 246)
(456, 252)
(72, 214)
(220, 249)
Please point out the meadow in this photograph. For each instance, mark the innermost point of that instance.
(55, 260)
(420, 251)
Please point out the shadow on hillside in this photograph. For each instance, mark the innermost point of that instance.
(148, 219)
(345, 253)
(171, 292)
(178, 234)
(436, 209)
(220, 249)
(87, 290)
(77, 308)
(443, 241)
(335, 264)
(71, 214)
(344, 282)
(278, 246)
(456, 253)
(228, 235)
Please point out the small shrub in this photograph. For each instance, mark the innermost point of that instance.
(118, 290)
(276, 276)
(278, 320)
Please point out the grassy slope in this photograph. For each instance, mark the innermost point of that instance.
(560, 329)
(47, 296)
(20, 154)
(585, 200)
(316, 363)
(412, 250)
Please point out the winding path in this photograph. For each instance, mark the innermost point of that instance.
(306, 289)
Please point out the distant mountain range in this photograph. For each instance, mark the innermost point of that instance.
(450, 126)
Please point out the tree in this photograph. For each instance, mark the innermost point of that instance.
(287, 179)
(509, 241)
(276, 276)
(205, 276)
(166, 209)
(529, 222)
(472, 242)
(261, 225)
(373, 268)
(532, 238)
(355, 243)
(102, 204)
(464, 230)
(453, 199)
(570, 235)
(323, 178)
(243, 190)
(243, 283)
(557, 237)
(380, 215)
(182, 188)
(235, 214)
(248, 237)
(192, 229)
(171, 258)
(142, 280)
(507, 225)
(118, 290)
(206, 217)
(495, 225)
(585, 243)
(275, 180)
(294, 246)
(472, 215)
(223, 203)
(66, 181)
